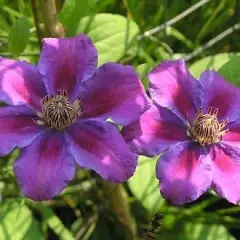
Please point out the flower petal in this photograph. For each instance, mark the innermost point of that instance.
(115, 92)
(226, 180)
(45, 167)
(220, 94)
(66, 62)
(156, 130)
(172, 86)
(20, 83)
(99, 146)
(232, 136)
(185, 172)
(17, 128)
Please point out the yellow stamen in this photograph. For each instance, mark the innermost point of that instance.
(206, 129)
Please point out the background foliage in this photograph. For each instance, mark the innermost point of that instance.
(82, 211)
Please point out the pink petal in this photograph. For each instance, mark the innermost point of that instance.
(226, 180)
(115, 92)
(157, 129)
(185, 172)
(220, 94)
(20, 83)
(66, 62)
(17, 128)
(172, 86)
(99, 146)
(45, 167)
(232, 137)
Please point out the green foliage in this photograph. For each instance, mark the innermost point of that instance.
(17, 222)
(211, 62)
(54, 223)
(144, 184)
(173, 32)
(112, 34)
(143, 70)
(231, 70)
(197, 231)
(205, 232)
(19, 36)
(72, 11)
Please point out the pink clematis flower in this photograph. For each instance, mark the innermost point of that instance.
(198, 124)
(57, 112)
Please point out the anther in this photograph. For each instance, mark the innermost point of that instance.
(206, 129)
(215, 112)
(58, 112)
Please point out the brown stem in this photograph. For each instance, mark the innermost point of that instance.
(53, 27)
(58, 5)
(36, 22)
(118, 198)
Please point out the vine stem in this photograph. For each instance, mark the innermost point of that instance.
(53, 27)
(36, 22)
(120, 206)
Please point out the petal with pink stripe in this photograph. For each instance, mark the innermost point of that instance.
(20, 83)
(66, 62)
(99, 146)
(226, 179)
(156, 130)
(45, 167)
(185, 172)
(172, 86)
(17, 128)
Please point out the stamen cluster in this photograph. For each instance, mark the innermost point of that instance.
(206, 129)
(58, 112)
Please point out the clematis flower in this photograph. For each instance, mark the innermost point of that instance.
(57, 112)
(196, 124)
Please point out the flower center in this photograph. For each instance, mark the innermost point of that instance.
(206, 129)
(58, 112)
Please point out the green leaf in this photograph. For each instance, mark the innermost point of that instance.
(197, 231)
(231, 70)
(112, 34)
(19, 36)
(144, 184)
(200, 231)
(53, 221)
(17, 223)
(214, 62)
(72, 11)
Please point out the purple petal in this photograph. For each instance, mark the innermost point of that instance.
(156, 130)
(45, 167)
(66, 62)
(232, 136)
(20, 83)
(185, 172)
(17, 128)
(99, 146)
(220, 94)
(226, 179)
(115, 91)
(172, 86)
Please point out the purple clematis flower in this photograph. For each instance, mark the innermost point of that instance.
(198, 124)
(57, 112)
